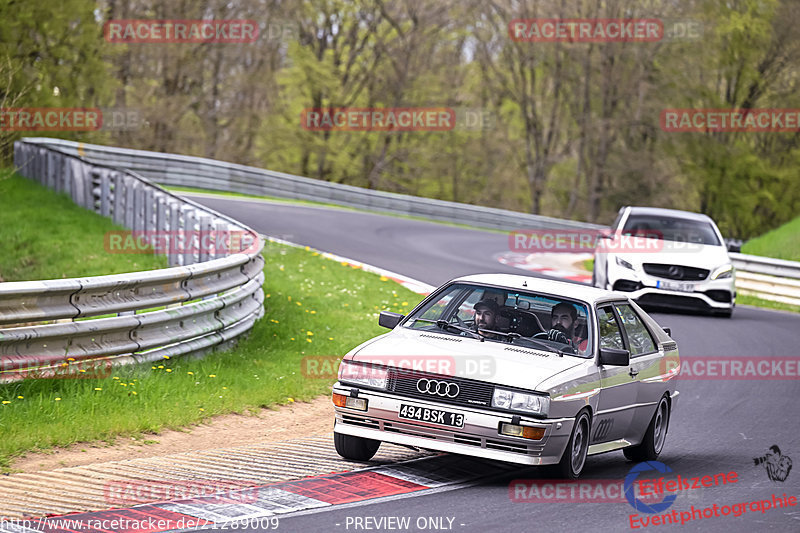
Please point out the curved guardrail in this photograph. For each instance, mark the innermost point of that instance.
(212, 294)
(188, 171)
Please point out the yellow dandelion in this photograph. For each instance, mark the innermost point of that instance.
(190, 373)
(292, 338)
(115, 377)
(224, 388)
(212, 375)
(344, 263)
(291, 400)
(98, 388)
(330, 338)
(160, 366)
(313, 312)
(404, 303)
(82, 370)
(268, 296)
(70, 358)
(289, 298)
(6, 402)
(58, 399)
(166, 357)
(153, 367)
(384, 278)
(280, 268)
(309, 333)
(134, 392)
(21, 397)
(124, 384)
(64, 365)
(169, 370)
(202, 409)
(308, 340)
(130, 383)
(308, 248)
(299, 303)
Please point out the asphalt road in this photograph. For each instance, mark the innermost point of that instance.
(720, 426)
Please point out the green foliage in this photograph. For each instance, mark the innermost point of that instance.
(781, 243)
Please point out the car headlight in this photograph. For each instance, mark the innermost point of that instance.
(725, 271)
(359, 374)
(520, 401)
(621, 262)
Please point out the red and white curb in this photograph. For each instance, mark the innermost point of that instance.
(555, 265)
(411, 284)
(253, 506)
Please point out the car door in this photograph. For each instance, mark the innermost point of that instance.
(618, 389)
(646, 365)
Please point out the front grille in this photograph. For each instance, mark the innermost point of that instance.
(679, 272)
(471, 393)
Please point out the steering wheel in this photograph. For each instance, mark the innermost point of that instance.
(553, 335)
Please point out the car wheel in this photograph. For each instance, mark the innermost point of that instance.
(355, 448)
(574, 458)
(654, 437)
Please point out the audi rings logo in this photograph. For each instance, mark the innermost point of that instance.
(439, 388)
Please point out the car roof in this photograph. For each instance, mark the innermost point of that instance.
(660, 211)
(576, 291)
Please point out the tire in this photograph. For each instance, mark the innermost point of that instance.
(355, 448)
(654, 437)
(574, 459)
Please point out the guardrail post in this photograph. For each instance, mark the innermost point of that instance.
(205, 239)
(119, 199)
(130, 192)
(190, 235)
(174, 258)
(105, 193)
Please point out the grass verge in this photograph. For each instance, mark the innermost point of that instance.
(315, 307)
(46, 236)
(747, 299)
(781, 243)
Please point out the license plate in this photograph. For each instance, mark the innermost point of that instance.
(675, 286)
(434, 416)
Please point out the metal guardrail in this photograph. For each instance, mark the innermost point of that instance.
(187, 171)
(771, 279)
(211, 298)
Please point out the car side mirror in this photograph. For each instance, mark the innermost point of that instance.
(615, 357)
(733, 247)
(389, 319)
(668, 331)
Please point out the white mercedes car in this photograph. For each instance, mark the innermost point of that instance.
(511, 368)
(664, 258)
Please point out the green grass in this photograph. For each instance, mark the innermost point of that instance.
(746, 299)
(781, 243)
(315, 307)
(46, 236)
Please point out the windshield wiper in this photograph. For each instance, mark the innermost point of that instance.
(444, 324)
(543, 346)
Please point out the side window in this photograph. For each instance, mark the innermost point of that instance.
(610, 336)
(639, 338)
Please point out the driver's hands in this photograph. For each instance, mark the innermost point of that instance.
(558, 336)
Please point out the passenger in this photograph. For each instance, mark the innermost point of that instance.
(486, 314)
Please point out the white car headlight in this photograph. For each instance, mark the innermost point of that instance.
(725, 271)
(520, 401)
(621, 262)
(358, 374)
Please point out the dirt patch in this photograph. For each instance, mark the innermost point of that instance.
(293, 421)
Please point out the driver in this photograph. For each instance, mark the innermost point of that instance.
(563, 319)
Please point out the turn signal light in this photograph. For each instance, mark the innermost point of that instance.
(340, 400)
(526, 432)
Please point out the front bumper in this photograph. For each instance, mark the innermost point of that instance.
(718, 294)
(479, 437)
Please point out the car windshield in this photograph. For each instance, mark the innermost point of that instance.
(671, 229)
(496, 314)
